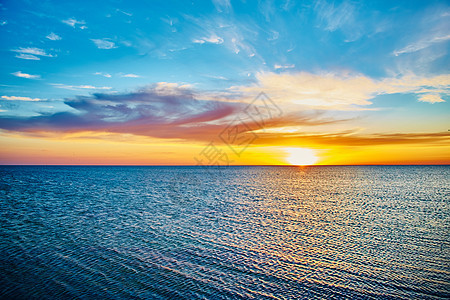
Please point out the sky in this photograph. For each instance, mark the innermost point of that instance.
(224, 82)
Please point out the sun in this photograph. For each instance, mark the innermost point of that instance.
(301, 156)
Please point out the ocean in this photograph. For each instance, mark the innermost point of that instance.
(322, 232)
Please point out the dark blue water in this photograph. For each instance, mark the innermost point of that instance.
(229, 233)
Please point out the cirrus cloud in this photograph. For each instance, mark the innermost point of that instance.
(104, 44)
(53, 36)
(31, 53)
(72, 22)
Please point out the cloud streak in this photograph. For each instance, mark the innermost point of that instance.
(53, 37)
(351, 139)
(80, 87)
(104, 44)
(31, 53)
(75, 23)
(130, 76)
(422, 44)
(25, 75)
(19, 98)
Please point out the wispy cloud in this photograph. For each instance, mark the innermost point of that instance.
(80, 87)
(25, 75)
(130, 76)
(213, 39)
(103, 74)
(333, 16)
(347, 138)
(288, 66)
(31, 53)
(104, 44)
(75, 23)
(19, 98)
(124, 12)
(53, 36)
(422, 44)
(222, 5)
(27, 56)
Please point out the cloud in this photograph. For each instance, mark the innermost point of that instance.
(222, 5)
(349, 138)
(27, 53)
(332, 16)
(80, 87)
(339, 90)
(27, 56)
(277, 66)
(213, 39)
(131, 76)
(164, 110)
(3, 23)
(422, 44)
(124, 12)
(75, 23)
(53, 36)
(25, 75)
(104, 44)
(173, 111)
(19, 98)
(103, 74)
(431, 98)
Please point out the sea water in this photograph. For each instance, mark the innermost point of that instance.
(359, 232)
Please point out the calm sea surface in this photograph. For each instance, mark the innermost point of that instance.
(371, 232)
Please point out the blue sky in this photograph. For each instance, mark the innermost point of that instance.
(384, 64)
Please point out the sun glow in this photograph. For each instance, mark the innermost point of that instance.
(301, 156)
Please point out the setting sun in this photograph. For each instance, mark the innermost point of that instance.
(301, 156)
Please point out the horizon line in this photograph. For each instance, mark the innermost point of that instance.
(212, 166)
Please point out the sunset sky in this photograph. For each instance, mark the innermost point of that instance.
(224, 82)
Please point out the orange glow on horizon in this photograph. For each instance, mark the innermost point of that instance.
(115, 149)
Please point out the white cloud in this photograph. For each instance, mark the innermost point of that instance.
(27, 56)
(104, 44)
(32, 51)
(170, 88)
(2, 23)
(124, 12)
(431, 98)
(103, 74)
(333, 16)
(131, 76)
(342, 91)
(25, 75)
(80, 87)
(213, 39)
(276, 66)
(73, 23)
(222, 5)
(18, 98)
(53, 36)
(422, 44)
